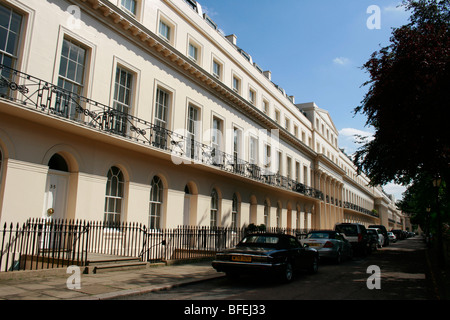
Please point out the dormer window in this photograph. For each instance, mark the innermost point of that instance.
(130, 6)
(193, 52)
(165, 30)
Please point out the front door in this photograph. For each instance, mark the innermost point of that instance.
(56, 195)
(54, 206)
(187, 210)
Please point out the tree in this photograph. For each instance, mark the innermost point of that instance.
(408, 105)
(408, 99)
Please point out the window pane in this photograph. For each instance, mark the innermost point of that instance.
(3, 38)
(5, 15)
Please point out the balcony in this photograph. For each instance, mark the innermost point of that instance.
(44, 97)
(352, 206)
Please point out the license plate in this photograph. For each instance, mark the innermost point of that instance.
(241, 259)
(314, 244)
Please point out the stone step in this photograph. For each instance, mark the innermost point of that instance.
(115, 264)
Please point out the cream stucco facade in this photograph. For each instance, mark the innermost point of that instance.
(171, 124)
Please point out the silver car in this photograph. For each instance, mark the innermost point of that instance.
(330, 244)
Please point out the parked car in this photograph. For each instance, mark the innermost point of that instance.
(399, 234)
(377, 236)
(356, 234)
(384, 231)
(392, 237)
(330, 244)
(260, 253)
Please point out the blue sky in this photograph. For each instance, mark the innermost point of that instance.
(314, 49)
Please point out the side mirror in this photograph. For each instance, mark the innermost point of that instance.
(305, 245)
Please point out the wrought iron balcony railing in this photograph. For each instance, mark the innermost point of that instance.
(45, 97)
(352, 206)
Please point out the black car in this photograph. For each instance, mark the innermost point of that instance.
(399, 234)
(279, 254)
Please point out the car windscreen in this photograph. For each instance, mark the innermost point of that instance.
(256, 240)
(318, 235)
(347, 230)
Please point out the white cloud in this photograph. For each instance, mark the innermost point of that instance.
(341, 61)
(355, 134)
(396, 8)
(350, 139)
(395, 189)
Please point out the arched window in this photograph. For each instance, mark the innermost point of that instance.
(266, 213)
(114, 196)
(57, 162)
(156, 201)
(214, 208)
(235, 212)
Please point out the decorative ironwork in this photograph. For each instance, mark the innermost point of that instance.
(34, 93)
(48, 243)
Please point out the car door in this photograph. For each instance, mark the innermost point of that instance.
(343, 244)
(297, 253)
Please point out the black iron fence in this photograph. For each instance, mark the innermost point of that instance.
(43, 244)
(46, 244)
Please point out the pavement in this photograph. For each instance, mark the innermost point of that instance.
(59, 285)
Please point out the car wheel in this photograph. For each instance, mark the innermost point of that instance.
(314, 265)
(288, 272)
(338, 257)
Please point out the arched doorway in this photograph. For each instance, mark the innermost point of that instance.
(56, 190)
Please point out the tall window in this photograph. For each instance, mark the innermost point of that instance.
(279, 216)
(161, 117)
(123, 87)
(192, 132)
(71, 78)
(216, 140)
(279, 162)
(10, 28)
(266, 213)
(235, 212)
(289, 167)
(267, 157)
(114, 196)
(214, 208)
(156, 201)
(253, 150)
(297, 171)
(236, 144)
